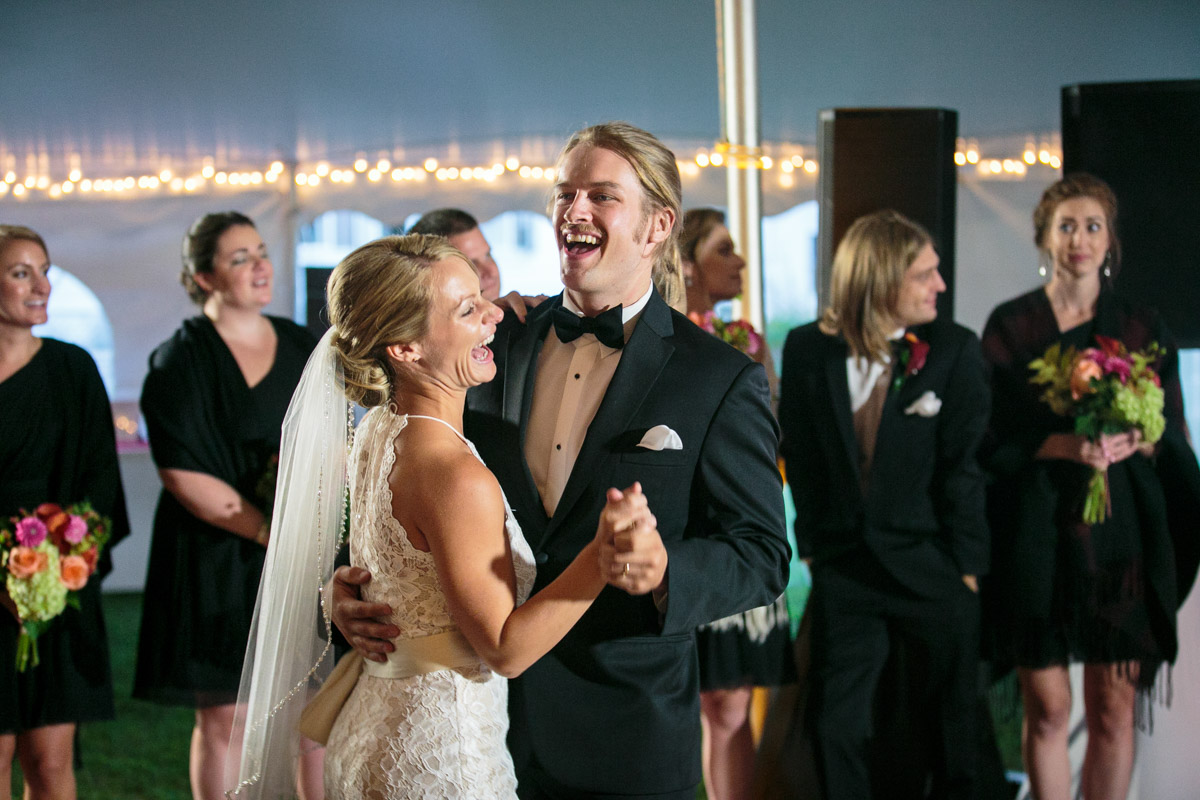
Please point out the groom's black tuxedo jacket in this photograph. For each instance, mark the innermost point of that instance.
(923, 517)
(614, 707)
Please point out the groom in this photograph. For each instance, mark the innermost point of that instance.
(605, 386)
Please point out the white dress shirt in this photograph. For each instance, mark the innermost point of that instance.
(570, 383)
(862, 375)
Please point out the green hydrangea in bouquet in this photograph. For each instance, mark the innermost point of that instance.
(1106, 390)
(48, 556)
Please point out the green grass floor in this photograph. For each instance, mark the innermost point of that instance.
(143, 753)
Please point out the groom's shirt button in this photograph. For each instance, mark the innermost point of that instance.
(541, 558)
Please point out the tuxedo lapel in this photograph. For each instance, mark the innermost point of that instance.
(642, 360)
(898, 400)
(839, 397)
(520, 372)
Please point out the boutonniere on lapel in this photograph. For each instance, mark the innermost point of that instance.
(910, 358)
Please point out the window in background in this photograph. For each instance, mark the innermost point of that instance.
(525, 249)
(76, 316)
(1189, 379)
(789, 244)
(320, 245)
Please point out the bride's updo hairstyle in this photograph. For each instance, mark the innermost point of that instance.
(380, 295)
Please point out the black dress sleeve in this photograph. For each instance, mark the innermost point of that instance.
(174, 405)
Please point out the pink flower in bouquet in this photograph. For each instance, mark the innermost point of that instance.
(1112, 358)
(753, 340)
(75, 529)
(1115, 365)
(74, 572)
(31, 532)
(1082, 373)
(24, 562)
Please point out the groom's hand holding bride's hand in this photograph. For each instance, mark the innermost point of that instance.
(359, 621)
(632, 555)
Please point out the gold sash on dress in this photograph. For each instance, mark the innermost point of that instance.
(418, 656)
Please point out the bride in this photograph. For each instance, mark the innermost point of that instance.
(409, 336)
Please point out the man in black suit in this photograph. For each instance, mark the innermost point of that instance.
(604, 387)
(883, 408)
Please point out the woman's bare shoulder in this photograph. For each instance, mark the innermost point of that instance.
(442, 479)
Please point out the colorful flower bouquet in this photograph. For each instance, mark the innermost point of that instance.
(49, 556)
(1107, 390)
(739, 333)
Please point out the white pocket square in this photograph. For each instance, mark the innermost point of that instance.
(927, 405)
(660, 437)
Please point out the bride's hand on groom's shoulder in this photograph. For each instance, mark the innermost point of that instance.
(632, 555)
(360, 622)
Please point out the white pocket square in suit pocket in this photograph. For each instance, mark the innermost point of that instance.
(927, 405)
(660, 437)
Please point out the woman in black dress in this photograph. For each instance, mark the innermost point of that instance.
(213, 401)
(752, 648)
(58, 447)
(1062, 591)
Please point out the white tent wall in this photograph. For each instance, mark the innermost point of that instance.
(128, 253)
(127, 250)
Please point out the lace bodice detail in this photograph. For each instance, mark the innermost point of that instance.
(436, 735)
(402, 575)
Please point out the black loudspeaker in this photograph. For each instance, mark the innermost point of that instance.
(316, 311)
(1141, 139)
(874, 158)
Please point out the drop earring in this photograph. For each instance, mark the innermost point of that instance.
(1043, 262)
(1108, 264)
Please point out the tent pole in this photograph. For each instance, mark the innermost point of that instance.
(737, 65)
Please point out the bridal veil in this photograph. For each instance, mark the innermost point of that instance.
(290, 651)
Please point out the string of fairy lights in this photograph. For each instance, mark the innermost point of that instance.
(784, 163)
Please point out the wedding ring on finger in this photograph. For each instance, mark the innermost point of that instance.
(625, 572)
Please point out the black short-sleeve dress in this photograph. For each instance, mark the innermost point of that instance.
(1062, 590)
(202, 581)
(58, 446)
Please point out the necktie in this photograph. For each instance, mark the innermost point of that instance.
(605, 326)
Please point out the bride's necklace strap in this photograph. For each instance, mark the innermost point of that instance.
(449, 650)
(437, 419)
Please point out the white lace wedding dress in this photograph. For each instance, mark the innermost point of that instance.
(436, 735)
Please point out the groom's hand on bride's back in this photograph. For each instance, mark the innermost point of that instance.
(360, 622)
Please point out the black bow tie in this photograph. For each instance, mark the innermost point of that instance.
(605, 326)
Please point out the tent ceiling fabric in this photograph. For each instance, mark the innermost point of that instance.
(130, 82)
